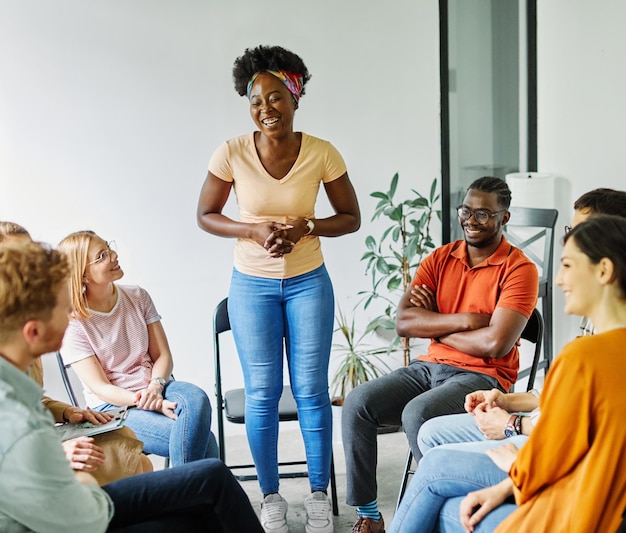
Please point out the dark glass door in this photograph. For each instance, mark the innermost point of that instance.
(488, 80)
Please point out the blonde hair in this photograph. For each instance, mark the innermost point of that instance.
(76, 247)
(10, 229)
(31, 276)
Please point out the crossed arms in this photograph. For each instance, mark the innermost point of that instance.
(488, 336)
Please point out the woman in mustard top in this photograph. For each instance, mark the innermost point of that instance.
(570, 476)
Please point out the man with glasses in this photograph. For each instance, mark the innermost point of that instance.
(472, 298)
(513, 416)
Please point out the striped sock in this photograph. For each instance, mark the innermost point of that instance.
(369, 511)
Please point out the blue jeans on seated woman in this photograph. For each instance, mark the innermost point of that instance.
(443, 478)
(297, 312)
(186, 439)
(451, 430)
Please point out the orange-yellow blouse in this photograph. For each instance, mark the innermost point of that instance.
(260, 197)
(571, 474)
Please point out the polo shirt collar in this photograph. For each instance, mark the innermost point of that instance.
(496, 258)
(18, 384)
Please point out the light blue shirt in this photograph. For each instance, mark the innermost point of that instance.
(38, 489)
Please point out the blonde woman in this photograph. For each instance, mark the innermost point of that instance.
(108, 457)
(117, 345)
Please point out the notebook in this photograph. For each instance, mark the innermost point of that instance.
(87, 429)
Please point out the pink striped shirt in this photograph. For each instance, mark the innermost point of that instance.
(119, 339)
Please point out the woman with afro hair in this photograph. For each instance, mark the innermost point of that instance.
(280, 292)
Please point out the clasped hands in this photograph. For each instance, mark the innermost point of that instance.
(151, 399)
(489, 410)
(278, 238)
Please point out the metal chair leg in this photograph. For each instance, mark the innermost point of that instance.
(405, 477)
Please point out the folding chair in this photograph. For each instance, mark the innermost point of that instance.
(65, 376)
(69, 388)
(533, 332)
(231, 404)
(532, 231)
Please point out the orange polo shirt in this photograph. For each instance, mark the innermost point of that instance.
(505, 279)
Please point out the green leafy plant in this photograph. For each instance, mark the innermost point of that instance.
(359, 361)
(392, 259)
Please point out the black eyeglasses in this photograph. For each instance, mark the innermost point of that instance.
(480, 215)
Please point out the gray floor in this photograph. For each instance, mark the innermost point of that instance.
(391, 458)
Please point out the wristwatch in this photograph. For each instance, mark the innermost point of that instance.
(510, 430)
(160, 381)
(310, 225)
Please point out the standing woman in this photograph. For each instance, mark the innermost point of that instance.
(117, 345)
(280, 290)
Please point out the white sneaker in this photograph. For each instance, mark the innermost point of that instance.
(274, 514)
(319, 514)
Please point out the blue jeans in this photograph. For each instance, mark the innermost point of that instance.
(188, 438)
(451, 430)
(443, 478)
(449, 521)
(197, 497)
(299, 313)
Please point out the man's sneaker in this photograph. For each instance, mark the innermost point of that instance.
(319, 516)
(274, 514)
(369, 525)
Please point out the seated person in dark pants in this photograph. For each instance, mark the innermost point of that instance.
(38, 489)
(473, 298)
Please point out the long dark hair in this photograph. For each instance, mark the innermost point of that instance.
(603, 236)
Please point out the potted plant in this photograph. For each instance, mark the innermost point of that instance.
(359, 361)
(392, 259)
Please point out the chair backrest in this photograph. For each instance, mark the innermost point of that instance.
(67, 381)
(533, 332)
(532, 230)
(221, 323)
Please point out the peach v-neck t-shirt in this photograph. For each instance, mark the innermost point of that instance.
(261, 197)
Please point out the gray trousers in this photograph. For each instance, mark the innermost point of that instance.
(407, 396)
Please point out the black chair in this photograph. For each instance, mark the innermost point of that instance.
(533, 332)
(532, 231)
(232, 403)
(69, 389)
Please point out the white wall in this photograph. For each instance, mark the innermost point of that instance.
(582, 109)
(109, 112)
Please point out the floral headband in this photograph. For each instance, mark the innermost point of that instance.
(292, 81)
